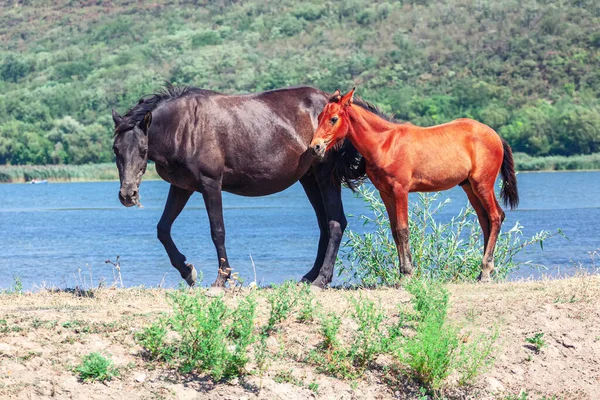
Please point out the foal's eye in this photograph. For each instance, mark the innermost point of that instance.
(115, 150)
(143, 153)
(334, 120)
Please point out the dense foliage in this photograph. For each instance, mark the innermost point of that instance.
(528, 68)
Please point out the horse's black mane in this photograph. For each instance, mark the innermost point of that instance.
(350, 167)
(149, 103)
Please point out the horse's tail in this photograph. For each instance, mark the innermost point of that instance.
(509, 192)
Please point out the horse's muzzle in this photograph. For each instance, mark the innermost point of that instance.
(129, 198)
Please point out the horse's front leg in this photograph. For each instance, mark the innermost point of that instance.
(176, 200)
(335, 222)
(311, 188)
(211, 192)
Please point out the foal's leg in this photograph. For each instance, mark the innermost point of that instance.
(211, 192)
(311, 188)
(175, 202)
(481, 213)
(401, 230)
(336, 224)
(485, 193)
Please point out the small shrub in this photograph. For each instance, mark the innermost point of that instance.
(537, 341)
(282, 300)
(153, 339)
(307, 304)
(437, 347)
(369, 340)
(431, 351)
(96, 367)
(210, 336)
(330, 326)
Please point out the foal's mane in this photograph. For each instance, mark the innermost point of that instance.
(150, 102)
(365, 105)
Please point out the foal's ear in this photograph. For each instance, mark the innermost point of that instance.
(116, 117)
(347, 98)
(145, 124)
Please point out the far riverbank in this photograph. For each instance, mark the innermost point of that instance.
(108, 171)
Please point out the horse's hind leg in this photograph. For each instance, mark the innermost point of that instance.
(399, 225)
(481, 213)
(485, 193)
(311, 188)
(176, 200)
(211, 192)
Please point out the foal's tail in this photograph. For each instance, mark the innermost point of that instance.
(509, 192)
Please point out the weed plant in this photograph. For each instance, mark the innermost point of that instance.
(537, 341)
(282, 300)
(96, 367)
(211, 337)
(438, 348)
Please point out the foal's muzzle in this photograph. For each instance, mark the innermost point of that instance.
(317, 148)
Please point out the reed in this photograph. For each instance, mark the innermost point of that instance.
(525, 162)
(65, 173)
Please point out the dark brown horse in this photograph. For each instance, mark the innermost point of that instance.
(251, 145)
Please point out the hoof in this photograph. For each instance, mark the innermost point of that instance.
(484, 278)
(215, 291)
(191, 278)
(320, 283)
(315, 289)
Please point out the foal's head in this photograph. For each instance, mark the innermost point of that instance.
(333, 123)
(131, 150)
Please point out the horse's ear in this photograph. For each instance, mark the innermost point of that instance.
(145, 124)
(347, 98)
(116, 117)
(335, 97)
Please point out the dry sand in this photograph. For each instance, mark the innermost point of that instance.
(43, 335)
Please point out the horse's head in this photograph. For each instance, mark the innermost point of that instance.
(333, 123)
(131, 150)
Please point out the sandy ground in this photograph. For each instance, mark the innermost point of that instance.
(44, 335)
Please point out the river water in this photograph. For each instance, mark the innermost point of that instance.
(60, 234)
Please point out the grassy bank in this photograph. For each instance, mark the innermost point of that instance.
(102, 343)
(65, 173)
(108, 171)
(525, 162)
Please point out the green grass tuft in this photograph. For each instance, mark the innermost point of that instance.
(96, 367)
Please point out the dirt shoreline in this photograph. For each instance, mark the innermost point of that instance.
(44, 334)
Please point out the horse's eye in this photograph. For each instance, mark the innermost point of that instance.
(115, 150)
(143, 153)
(334, 120)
